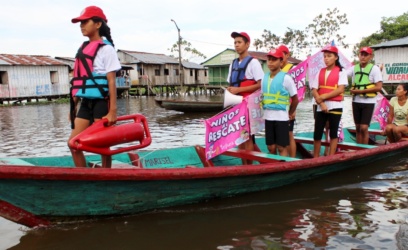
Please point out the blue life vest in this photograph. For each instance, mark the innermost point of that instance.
(275, 96)
(238, 71)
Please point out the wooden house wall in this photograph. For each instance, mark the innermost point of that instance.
(395, 62)
(149, 74)
(33, 81)
(218, 67)
(130, 60)
(195, 76)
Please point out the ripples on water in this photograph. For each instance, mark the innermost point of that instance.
(364, 208)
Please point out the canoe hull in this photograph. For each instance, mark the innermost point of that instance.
(190, 106)
(48, 195)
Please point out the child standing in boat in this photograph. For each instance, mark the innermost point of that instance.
(277, 89)
(327, 90)
(244, 76)
(94, 81)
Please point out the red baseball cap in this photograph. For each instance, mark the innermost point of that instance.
(241, 34)
(283, 48)
(368, 50)
(89, 12)
(275, 53)
(332, 49)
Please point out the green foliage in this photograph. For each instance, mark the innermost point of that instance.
(323, 29)
(187, 51)
(391, 28)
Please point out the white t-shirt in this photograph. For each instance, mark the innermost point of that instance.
(106, 60)
(253, 71)
(282, 115)
(374, 77)
(342, 81)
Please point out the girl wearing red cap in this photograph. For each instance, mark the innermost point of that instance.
(94, 81)
(328, 89)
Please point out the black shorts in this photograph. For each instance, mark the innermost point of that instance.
(277, 132)
(362, 112)
(291, 125)
(91, 109)
(333, 117)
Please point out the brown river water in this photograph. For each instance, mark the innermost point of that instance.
(362, 208)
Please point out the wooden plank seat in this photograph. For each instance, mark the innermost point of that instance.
(201, 153)
(370, 131)
(257, 156)
(374, 132)
(341, 145)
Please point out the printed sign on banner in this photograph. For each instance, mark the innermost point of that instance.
(298, 74)
(381, 111)
(256, 121)
(226, 130)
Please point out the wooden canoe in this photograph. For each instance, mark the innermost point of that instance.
(190, 106)
(42, 191)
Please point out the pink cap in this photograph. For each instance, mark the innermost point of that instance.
(241, 34)
(88, 13)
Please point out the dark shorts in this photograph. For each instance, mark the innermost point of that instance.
(291, 125)
(91, 109)
(362, 112)
(333, 117)
(277, 132)
(314, 111)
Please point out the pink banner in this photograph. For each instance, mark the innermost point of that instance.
(298, 74)
(226, 130)
(340, 132)
(256, 121)
(381, 111)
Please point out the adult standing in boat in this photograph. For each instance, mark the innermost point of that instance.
(397, 122)
(277, 89)
(328, 89)
(244, 76)
(367, 82)
(286, 66)
(93, 84)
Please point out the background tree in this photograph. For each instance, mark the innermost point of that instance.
(188, 53)
(323, 29)
(391, 28)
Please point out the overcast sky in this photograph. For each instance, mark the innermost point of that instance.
(43, 27)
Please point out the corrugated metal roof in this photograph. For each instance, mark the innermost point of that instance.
(191, 65)
(258, 55)
(402, 42)
(150, 58)
(28, 60)
(2, 62)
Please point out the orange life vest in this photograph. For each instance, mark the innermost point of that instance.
(327, 85)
